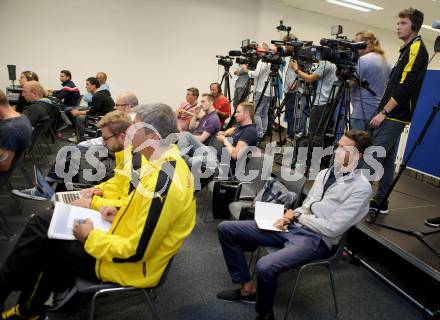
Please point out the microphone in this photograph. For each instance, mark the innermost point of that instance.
(235, 53)
(436, 24)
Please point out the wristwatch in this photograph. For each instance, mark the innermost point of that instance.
(297, 215)
(384, 112)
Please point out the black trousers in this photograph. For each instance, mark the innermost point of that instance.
(38, 265)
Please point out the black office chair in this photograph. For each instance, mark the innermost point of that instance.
(244, 189)
(86, 286)
(39, 130)
(91, 129)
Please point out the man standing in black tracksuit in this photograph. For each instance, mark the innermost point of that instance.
(399, 100)
(69, 93)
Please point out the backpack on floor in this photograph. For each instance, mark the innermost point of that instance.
(273, 191)
(223, 194)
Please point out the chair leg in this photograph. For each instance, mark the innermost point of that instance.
(292, 295)
(205, 210)
(332, 281)
(150, 304)
(92, 305)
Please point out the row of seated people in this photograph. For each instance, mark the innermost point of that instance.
(338, 199)
(69, 95)
(188, 109)
(67, 99)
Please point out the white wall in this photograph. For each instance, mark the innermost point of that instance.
(155, 48)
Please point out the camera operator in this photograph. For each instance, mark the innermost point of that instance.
(240, 83)
(324, 76)
(291, 89)
(399, 100)
(261, 74)
(373, 70)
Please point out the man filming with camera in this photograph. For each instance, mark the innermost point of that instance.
(324, 76)
(261, 99)
(373, 70)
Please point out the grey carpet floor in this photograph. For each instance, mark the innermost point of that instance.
(199, 272)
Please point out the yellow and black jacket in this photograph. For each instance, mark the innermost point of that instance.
(115, 191)
(406, 80)
(151, 228)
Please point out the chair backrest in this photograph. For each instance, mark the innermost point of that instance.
(6, 176)
(296, 185)
(255, 163)
(38, 130)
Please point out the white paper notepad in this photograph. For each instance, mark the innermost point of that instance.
(267, 213)
(61, 225)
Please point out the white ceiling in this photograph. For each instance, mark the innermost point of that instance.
(384, 19)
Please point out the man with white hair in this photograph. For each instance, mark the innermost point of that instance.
(143, 238)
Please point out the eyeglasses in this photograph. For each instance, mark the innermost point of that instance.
(106, 138)
(121, 105)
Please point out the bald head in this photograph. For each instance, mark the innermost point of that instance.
(126, 101)
(33, 91)
(102, 77)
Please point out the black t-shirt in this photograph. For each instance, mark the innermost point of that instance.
(15, 133)
(247, 134)
(102, 103)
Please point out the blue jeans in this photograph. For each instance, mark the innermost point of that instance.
(361, 124)
(387, 136)
(261, 113)
(297, 247)
(289, 114)
(194, 150)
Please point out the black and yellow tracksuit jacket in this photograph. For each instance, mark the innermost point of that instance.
(148, 230)
(116, 190)
(406, 80)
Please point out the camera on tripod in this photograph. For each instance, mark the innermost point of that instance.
(225, 61)
(247, 54)
(272, 58)
(341, 52)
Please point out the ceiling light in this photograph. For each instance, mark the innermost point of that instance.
(356, 5)
(364, 4)
(430, 28)
(347, 5)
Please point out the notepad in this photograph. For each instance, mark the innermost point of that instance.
(61, 225)
(267, 213)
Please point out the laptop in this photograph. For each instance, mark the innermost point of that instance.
(64, 197)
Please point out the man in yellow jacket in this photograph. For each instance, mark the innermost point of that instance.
(145, 234)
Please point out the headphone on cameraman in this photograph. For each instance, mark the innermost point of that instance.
(418, 15)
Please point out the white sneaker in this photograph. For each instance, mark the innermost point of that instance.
(31, 194)
(73, 139)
